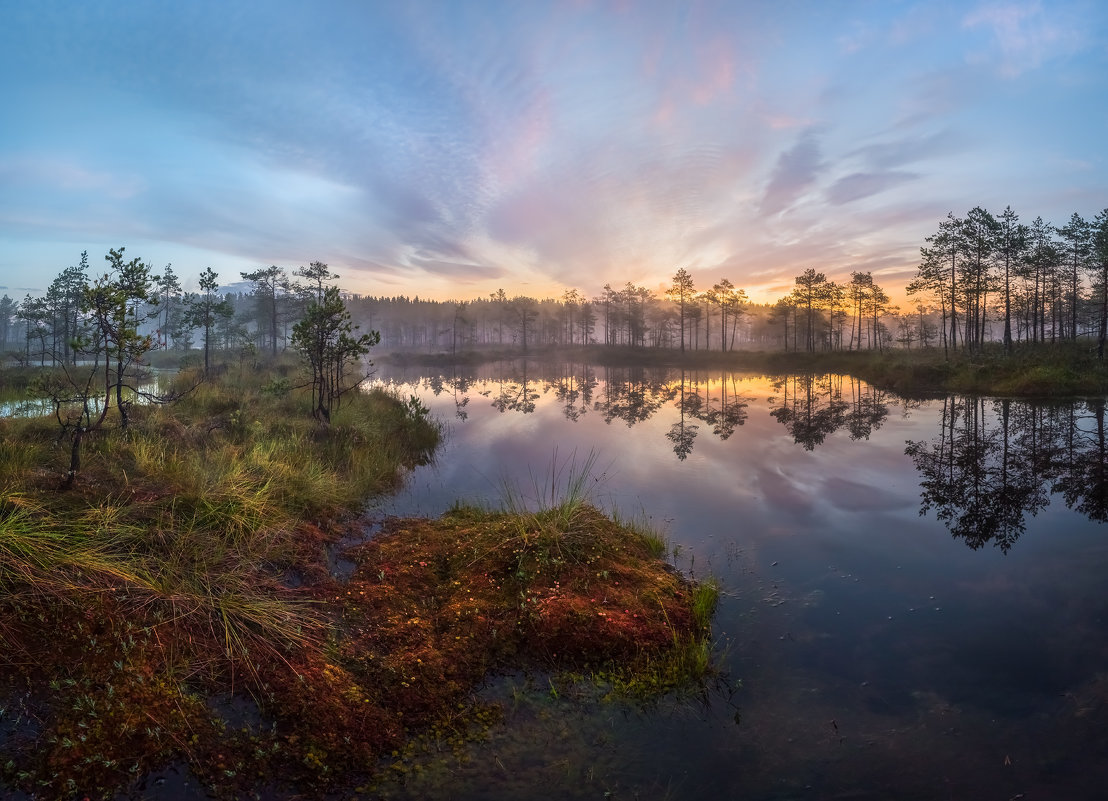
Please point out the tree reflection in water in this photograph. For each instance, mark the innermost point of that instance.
(992, 463)
(458, 384)
(516, 392)
(977, 476)
(574, 387)
(689, 405)
(633, 394)
(1084, 482)
(636, 394)
(812, 410)
(997, 460)
(725, 413)
(813, 406)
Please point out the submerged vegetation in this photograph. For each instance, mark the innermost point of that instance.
(176, 605)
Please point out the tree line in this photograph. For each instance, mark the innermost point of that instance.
(1040, 282)
(818, 314)
(96, 330)
(981, 278)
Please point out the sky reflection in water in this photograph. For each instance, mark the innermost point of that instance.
(878, 655)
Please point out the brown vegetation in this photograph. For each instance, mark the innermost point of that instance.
(176, 606)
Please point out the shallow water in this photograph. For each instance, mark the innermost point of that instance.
(24, 404)
(913, 590)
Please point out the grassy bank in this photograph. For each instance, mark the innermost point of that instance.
(175, 607)
(1046, 370)
(1040, 371)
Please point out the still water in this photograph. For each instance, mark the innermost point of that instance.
(914, 600)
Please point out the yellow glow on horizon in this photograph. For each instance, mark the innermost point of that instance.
(443, 292)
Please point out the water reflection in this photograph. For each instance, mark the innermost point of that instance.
(991, 465)
(841, 602)
(996, 461)
(813, 406)
(35, 406)
(458, 385)
(690, 407)
(1084, 481)
(515, 392)
(809, 406)
(574, 388)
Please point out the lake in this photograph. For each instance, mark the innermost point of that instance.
(913, 590)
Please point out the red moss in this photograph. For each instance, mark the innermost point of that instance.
(430, 610)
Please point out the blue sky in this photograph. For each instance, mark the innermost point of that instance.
(447, 149)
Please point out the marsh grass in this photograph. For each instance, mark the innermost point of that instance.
(187, 562)
(641, 526)
(167, 559)
(482, 589)
(560, 488)
(559, 532)
(556, 525)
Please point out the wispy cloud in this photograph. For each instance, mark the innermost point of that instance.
(438, 147)
(863, 184)
(795, 171)
(907, 150)
(1025, 35)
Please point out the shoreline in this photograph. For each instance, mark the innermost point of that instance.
(1031, 371)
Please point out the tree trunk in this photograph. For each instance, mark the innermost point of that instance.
(74, 458)
(1103, 312)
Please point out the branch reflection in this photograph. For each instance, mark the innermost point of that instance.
(991, 465)
(996, 461)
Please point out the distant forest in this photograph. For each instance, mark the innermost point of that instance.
(981, 278)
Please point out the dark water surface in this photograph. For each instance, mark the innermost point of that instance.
(914, 591)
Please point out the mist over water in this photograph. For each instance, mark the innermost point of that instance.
(912, 606)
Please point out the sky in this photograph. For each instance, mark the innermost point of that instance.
(449, 149)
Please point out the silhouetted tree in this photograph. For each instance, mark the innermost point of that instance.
(168, 290)
(1011, 242)
(808, 294)
(206, 309)
(8, 308)
(681, 291)
(1077, 236)
(1100, 265)
(269, 283)
(329, 343)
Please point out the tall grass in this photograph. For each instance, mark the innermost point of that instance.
(555, 495)
(196, 506)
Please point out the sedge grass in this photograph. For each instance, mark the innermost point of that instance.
(556, 495)
(197, 505)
